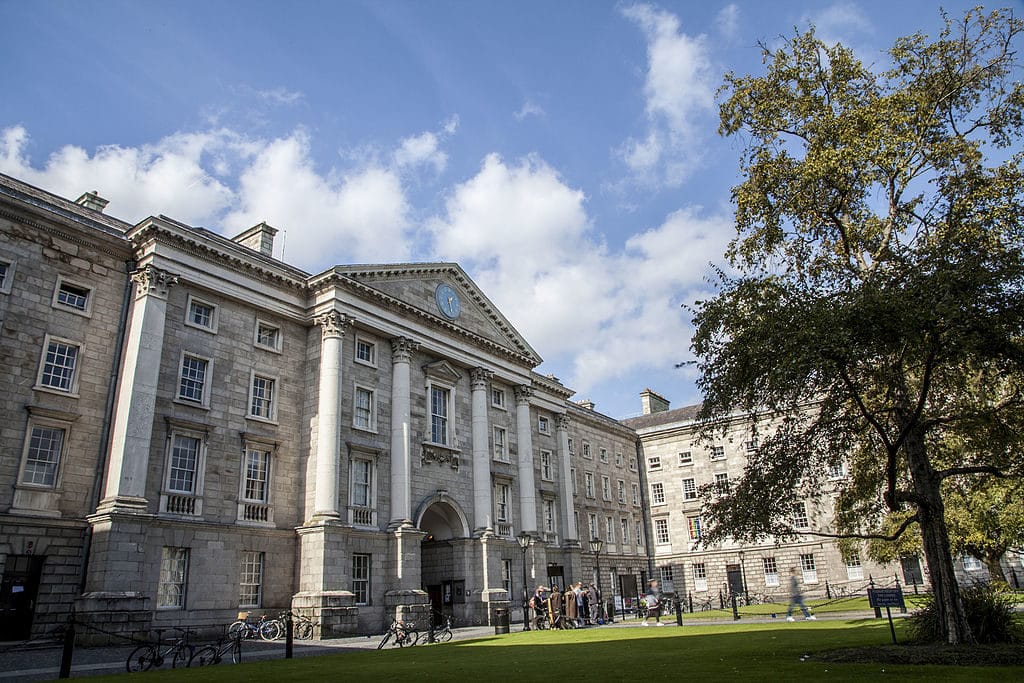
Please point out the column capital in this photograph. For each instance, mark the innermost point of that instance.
(334, 323)
(402, 349)
(523, 392)
(562, 422)
(153, 281)
(480, 377)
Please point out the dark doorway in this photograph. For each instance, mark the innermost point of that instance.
(735, 577)
(434, 593)
(627, 589)
(556, 576)
(18, 591)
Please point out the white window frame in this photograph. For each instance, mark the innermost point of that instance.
(214, 314)
(603, 454)
(632, 464)
(261, 324)
(86, 310)
(506, 576)
(546, 471)
(592, 525)
(204, 401)
(606, 488)
(689, 488)
(543, 425)
(272, 401)
(449, 422)
(618, 459)
(362, 341)
(250, 580)
(498, 398)
(854, 568)
(572, 446)
(503, 502)
(722, 483)
(179, 501)
(770, 568)
(694, 527)
(8, 276)
(550, 518)
(972, 564)
(37, 422)
(653, 463)
(636, 494)
(639, 534)
(586, 451)
(362, 575)
(499, 443)
(254, 510)
(588, 484)
(364, 515)
(621, 485)
(624, 525)
(661, 531)
(572, 476)
(657, 493)
(172, 589)
(799, 516)
(700, 577)
(717, 453)
(837, 471)
(72, 389)
(808, 568)
(609, 529)
(371, 425)
(685, 458)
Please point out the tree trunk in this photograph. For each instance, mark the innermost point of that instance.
(935, 539)
(995, 569)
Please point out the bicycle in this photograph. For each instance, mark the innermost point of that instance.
(441, 633)
(274, 629)
(243, 628)
(303, 627)
(153, 655)
(214, 654)
(400, 635)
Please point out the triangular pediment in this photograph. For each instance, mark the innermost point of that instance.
(442, 371)
(443, 294)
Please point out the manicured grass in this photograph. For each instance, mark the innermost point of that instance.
(734, 651)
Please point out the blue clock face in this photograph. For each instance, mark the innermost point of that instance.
(448, 301)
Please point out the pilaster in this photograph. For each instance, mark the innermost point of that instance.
(527, 484)
(482, 509)
(402, 349)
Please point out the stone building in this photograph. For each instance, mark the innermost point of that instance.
(193, 428)
(677, 464)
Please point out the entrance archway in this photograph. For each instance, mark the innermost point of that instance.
(444, 525)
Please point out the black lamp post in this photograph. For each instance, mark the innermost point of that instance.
(524, 543)
(595, 547)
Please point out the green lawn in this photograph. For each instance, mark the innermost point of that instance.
(732, 651)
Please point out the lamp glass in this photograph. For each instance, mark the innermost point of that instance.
(595, 545)
(524, 540)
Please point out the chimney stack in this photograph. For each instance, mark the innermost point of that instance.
(92, 200)
(259, 238)
(652, 402)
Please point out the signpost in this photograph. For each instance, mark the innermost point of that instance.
(887, 598)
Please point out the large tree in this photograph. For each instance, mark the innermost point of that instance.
(874, 304)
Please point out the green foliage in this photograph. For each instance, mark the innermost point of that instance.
(990, 612)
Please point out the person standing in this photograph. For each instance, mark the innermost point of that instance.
(796, 597)
(652, 603)
(569, 604)
(539, 602)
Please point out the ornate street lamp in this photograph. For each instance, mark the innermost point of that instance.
(595, 547)
(524, 543)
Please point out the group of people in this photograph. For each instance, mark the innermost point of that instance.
(577, 606)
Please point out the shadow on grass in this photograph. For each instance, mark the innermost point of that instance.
(748, 652)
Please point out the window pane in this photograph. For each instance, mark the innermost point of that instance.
(363, 417)
(439, 415)
(193, 378)
(59, 367)
(251, 584)
(262, 397)
(184, 456)
(361, 578)
(361, 483)
(257, 468)
(173, 577)
(43, 456)
(72, 296)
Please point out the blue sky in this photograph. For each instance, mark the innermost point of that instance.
(565, 152)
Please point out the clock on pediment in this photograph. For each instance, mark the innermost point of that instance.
(447, 301)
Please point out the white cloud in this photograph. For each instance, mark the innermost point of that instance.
(728, 20)
(679, 93)
(529, 108)
(421, 149)
(843, 22)
(280, 96)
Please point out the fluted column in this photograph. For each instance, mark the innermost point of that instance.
(401, 432)
(569, 532)
(527, 485)
(482, 509)
(135, 407)
(328, 442)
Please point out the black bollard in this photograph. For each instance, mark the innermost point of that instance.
(679, 611)
(69, 648)
(430, 624)
(691, 602)
(871, 585)
(289, 637)
(828, 591)
(735, 612)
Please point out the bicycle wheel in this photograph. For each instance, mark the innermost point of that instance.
(182, 655)
(204, 656)
(141, 658)
(236, 651)
(303, 630)
(238, 628)
(384, 640)
(444, 636)
(271, 630)
(412, 637)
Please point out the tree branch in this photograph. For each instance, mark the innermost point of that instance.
(975, 469)
(880, 537)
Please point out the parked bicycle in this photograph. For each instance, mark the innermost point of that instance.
(441, 633)
(303, 627)
(244, 628)
(153, 655)
(399, 635)
(214, 654)
(273, 629)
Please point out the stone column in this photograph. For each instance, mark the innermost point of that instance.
(482, 508)
(401, 432)
(569, 531)
(328, 431)
(527, 486)
(135, 404)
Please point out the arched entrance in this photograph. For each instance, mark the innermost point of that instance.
(442, 548)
